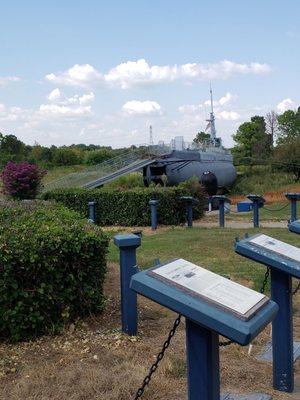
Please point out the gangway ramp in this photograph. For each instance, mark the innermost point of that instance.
(107, 171)
(123, 171)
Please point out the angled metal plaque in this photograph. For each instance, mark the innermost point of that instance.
(206, 285)
(277, 246)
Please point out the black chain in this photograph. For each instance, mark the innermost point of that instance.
(159, 357)
(166, 344)
(265, 281)
(277, 209)
(297, 289)
(225, 343)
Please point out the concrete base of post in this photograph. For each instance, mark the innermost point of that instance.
(253, 396)
(267, 355)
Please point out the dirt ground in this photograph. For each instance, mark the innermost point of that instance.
(93, 360)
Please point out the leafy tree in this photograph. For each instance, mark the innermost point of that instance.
(42, 155)
(66, 156)
(287, 157)
(288, 125)
(201, 138)
(97, 156)
(253, 141)
(11, 149)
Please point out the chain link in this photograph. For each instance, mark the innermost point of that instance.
(276, 209)
(159, 357)
(225, 343)
(166, 344)
(265, 281)
(297, 289)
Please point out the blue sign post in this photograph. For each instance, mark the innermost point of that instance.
(180, 286)
(222, 200)
(189, 202)
(153, 206)
(128, 267)
(258, 202)
(283, 259)
(295, 226)
(92, 211)
(293, 197)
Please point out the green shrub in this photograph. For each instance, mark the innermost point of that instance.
(129, 181)
(52, 266)
(98, 156)
(128, 207)
(67, 156)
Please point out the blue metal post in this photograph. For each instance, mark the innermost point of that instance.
(189, 214)
(189, 201)
(221, 200)
(202, 347)
(282, 332)
(258, 202)
(153, 206)
(92, 211)
(293, 197)
(128, 267)
(255, 214)
(293, 210)
(222, 213)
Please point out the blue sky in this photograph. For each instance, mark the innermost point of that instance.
(102, 72)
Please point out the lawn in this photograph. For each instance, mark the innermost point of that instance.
(92, 360)
(209, 247)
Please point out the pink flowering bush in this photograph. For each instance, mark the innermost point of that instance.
(22, 180)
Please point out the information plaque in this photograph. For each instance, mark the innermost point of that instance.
(222, 292)
(277, 246)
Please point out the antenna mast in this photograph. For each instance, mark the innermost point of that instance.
(212, 118)
(151, 136)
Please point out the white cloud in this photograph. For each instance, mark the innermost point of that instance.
(140, 73)
(55, 95)
(54, 110)
(86, 98)
(286, 104)
(226, 99)
(228, 115)
(189, 108)
(136, 107)
(4, 80)
(78, 75)
(196, 108)
(222, 101)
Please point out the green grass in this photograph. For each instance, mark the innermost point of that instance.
(59, 172)
(212, 248)
(270, 212)
(260, 179)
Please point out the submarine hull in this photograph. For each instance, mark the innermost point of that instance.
(214, 170)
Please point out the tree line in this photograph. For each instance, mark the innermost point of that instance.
(272, 139)
(13, 149)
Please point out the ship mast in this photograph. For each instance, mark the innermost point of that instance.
(211, 120)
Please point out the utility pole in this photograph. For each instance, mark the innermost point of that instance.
(151, 136)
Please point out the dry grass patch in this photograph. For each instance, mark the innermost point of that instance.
(93, 360)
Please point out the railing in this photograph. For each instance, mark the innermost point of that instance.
(79, 179)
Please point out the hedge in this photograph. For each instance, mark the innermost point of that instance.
(52, 268)
(129, 207)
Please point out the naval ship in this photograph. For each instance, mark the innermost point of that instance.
(211, 163)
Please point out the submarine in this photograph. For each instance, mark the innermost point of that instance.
(210, 162)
